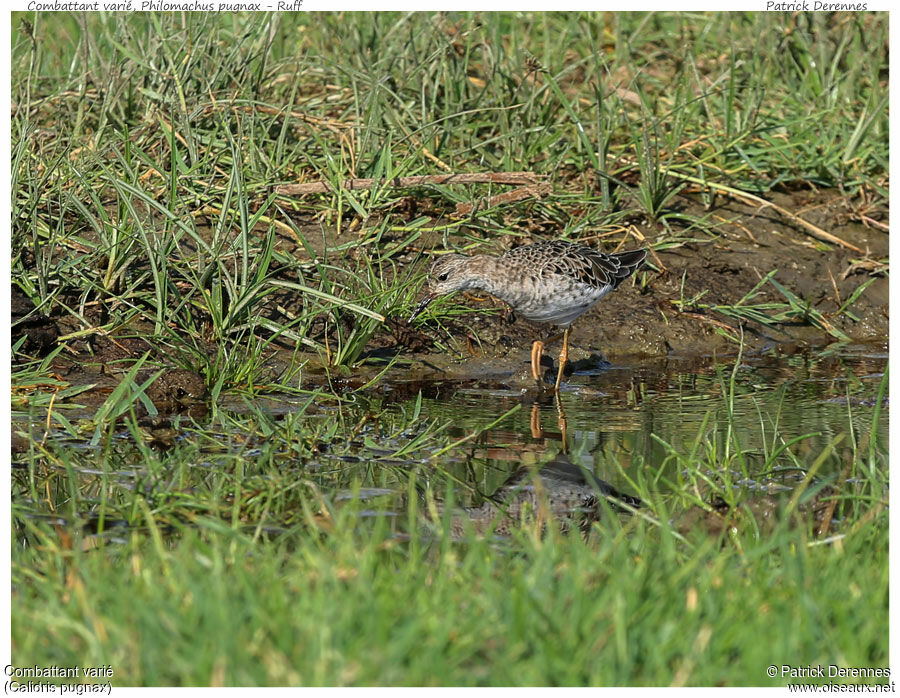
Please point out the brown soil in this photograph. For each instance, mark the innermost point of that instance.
(645, 320)
(639, 319)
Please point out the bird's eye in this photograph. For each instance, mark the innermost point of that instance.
(443, 277)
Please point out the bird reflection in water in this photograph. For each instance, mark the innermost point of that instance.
(560, 490)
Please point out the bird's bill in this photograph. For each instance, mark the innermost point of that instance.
(421, 306)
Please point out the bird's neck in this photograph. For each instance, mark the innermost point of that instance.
(486, 275)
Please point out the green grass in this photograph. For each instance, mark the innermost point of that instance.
(146, 149)
(350, 605)
(773, 314)
(233, 548)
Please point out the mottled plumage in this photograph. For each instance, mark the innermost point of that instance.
(583, 264)
(550, 282)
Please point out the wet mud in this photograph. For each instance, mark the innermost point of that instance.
(653, 315)
(669, 310)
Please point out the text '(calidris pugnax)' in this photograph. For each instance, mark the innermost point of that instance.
(549, 283)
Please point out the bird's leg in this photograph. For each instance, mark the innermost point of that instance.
(536, 350)
(563, 357)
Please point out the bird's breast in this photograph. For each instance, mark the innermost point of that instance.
(557, 302)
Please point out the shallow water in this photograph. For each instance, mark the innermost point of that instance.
(757, 426)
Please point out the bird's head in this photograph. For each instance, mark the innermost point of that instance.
(447, 275)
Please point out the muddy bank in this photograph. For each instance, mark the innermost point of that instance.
(677, 304)
(674, 307)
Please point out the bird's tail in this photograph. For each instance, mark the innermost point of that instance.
(628, 263)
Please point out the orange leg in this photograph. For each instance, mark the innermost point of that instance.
(536, 350)
(563, 357)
